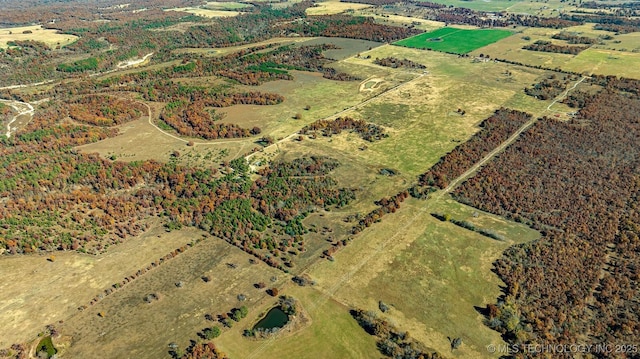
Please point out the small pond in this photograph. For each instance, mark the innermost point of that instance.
(275, 318)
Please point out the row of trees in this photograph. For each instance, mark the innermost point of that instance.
(548, 46)
(395, 63)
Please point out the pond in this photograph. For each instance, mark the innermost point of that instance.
(275, 318)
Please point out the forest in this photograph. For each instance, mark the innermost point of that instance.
(576, 279)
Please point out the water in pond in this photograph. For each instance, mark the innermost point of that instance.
(275, 318)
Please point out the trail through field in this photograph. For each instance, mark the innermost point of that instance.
(23, 108)
(403, 228)
(337, 114)
(129, 63)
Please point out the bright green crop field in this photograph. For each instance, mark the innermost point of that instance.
(454, 40)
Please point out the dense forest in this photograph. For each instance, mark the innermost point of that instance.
(56, 198)
(578, 278)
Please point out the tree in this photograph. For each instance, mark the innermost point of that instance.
(210, 333)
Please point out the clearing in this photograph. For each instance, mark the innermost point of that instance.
(36, 33)
(454, 40)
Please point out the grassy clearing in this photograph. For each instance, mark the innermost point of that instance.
(347, 47)
(132, 328)
(331, 333)
(216, 5)
(606, 62)
(37, 33)
(422, 116)
(549, 7)
(71, 280)
(334, 7)
(510, 48)
(432, 273)
(450, 39)
(399, 20)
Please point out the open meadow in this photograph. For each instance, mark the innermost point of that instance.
(334, 7)
(37, 290)
(451, 39)
(129, 326)
(35, 33)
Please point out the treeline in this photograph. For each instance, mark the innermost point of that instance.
(105, 110)
(386, 205)
(548, 46)
(202, 350)
(391, 342)
(192, 119)
(494, 130)
(467, 225)
(577, 182)
(617, 24)
(549, 87)
(368, 131)
(395, 63)
(574, 39)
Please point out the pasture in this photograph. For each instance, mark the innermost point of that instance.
(454, 40)
(332, 7)
(36, 291)
(35, 33)
(131, 327)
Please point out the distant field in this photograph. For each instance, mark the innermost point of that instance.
(38, 33)
(515, 6)
(333, 7)
(206, 12)
(450, 39)
(215, 5)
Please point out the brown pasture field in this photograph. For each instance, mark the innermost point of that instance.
(48, 36)
(332, 7)
(35, 291)
(132, 328)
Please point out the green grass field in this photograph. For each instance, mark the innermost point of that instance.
(451, 39)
